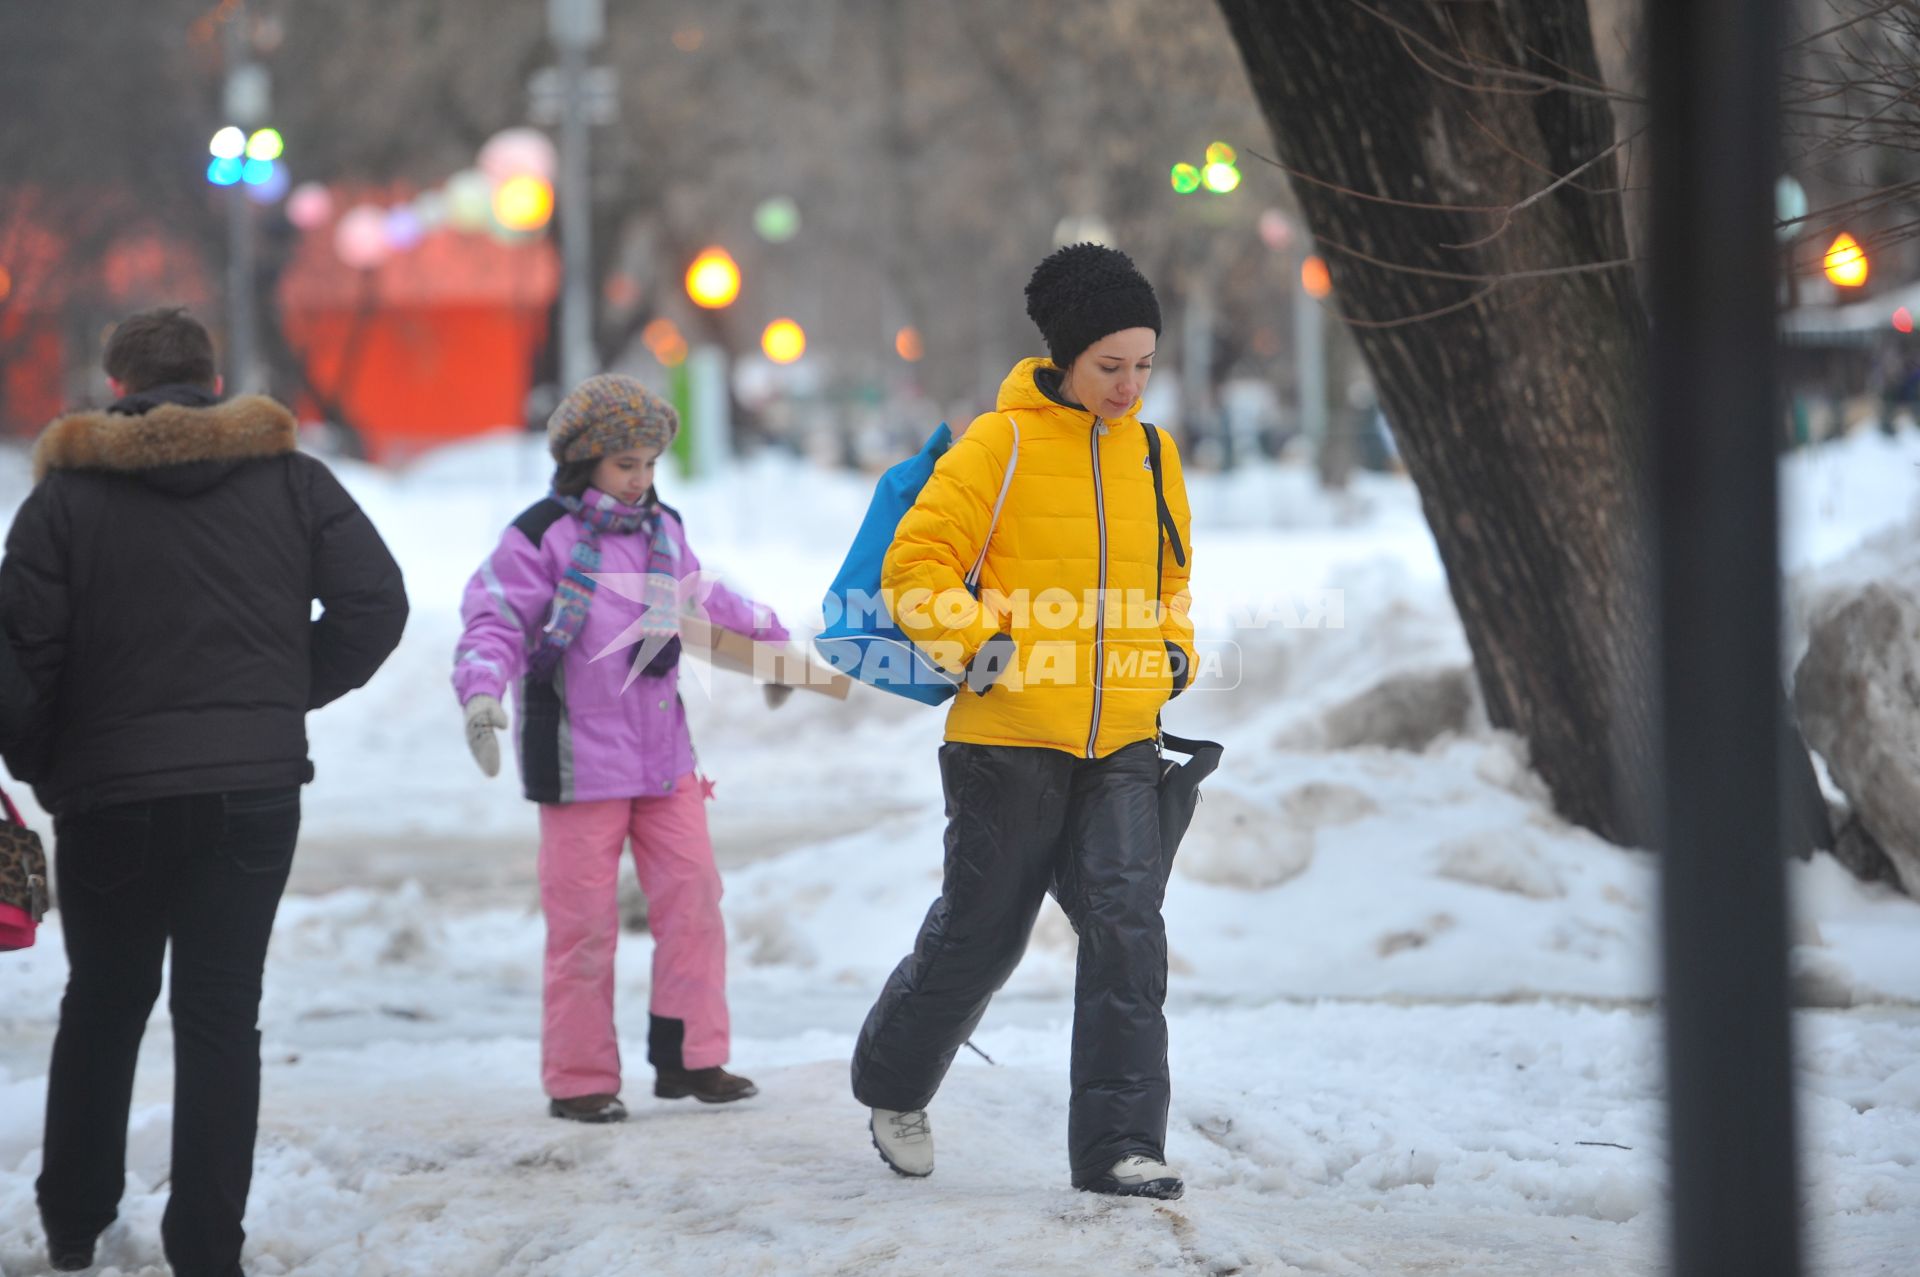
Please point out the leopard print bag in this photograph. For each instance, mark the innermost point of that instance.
(23, 879)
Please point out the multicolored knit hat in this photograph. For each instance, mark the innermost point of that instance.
(607, 414)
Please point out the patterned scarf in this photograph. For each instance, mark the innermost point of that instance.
(574, 593)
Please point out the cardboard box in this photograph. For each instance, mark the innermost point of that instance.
(765, 662)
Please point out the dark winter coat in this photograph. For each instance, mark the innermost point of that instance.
(16, 696)
(159, 585)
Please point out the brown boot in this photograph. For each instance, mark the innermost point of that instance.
(589, 1108)
(710, 1086)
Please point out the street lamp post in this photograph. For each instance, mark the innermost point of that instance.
(575, 27)
(246, 102)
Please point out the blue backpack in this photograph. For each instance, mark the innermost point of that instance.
(861, 639)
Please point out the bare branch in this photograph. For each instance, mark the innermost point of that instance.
(1506, 218)
(1353, 322)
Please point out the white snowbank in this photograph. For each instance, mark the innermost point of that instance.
(1409, 1004)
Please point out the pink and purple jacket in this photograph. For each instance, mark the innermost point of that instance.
(580, 737)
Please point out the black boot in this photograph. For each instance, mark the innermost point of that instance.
(69, 1256)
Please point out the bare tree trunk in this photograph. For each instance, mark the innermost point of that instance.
(1518, 404)
(1494, 304)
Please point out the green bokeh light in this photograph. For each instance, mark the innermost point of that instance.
(777, 220)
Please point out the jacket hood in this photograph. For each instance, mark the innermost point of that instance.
(211, 440)
(1034, 384)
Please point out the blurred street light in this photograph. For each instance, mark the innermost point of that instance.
(713, 281)
(309, 206)
(783, 341)
(272, 188)
(228, 144)
(1221, 178)
(360, 237)
(513, 153)
(663, 338)
(469, 200)
(401, 227)
(1315, 278)
(907, 344)
(1846, 262)
(1218, 175)
(1276, 229)
(777, 220)
(265, 144)
(523, 203)
(1789, 206)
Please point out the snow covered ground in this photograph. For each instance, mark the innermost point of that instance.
(1410, 1007)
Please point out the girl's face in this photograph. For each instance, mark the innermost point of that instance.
(1112, 373)
(626, 476)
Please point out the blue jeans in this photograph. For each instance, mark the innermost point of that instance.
(204, 871)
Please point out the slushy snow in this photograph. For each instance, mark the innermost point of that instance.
(1411, 1009)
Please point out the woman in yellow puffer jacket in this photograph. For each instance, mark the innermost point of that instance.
(1076, 639)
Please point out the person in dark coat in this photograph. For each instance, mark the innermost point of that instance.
(158, 587)
(16, 695)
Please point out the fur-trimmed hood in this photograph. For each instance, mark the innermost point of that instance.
(170, 434)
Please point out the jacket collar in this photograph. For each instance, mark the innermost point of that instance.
(164, 434)
(1035, 385)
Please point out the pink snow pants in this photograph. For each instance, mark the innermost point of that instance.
(580, 846)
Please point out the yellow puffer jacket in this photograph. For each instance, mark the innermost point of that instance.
(1070, 573)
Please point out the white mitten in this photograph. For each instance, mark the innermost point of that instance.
(485, 716)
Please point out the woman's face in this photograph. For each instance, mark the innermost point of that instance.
(1112, 373)
(626, 476)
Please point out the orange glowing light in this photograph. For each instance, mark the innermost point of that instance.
(713, 281)
(1315, 278)
(784, 341)
(1846, 262)
(523, 203)
(664, 339)
(907, 344)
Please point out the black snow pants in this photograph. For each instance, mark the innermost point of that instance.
(1021, 821)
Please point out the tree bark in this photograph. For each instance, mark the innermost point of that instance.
(1520, 413)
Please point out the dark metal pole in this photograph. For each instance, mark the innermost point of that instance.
(1715, 67)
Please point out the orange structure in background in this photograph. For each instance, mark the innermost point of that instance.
(436, 343)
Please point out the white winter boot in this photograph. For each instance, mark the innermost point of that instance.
(905, 1140)
(1139, 1176)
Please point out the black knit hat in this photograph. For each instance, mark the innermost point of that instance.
(1083, 292)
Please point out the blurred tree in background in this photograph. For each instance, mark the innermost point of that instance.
(932, 150)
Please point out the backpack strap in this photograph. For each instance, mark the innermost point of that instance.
(1167, 524)
(1006, 482)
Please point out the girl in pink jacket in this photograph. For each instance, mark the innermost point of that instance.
(579, 609)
